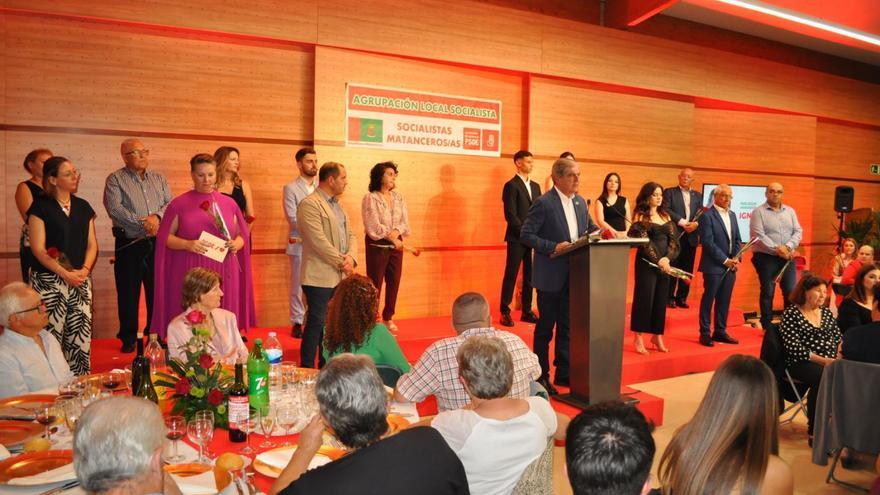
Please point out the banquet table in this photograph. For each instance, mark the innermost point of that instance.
(218, 445)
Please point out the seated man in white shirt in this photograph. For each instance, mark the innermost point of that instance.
(30, 357)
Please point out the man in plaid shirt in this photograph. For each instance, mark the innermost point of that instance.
(436, 372)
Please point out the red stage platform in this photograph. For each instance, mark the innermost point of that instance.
(686, 354)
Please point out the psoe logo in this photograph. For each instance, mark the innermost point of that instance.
(490, 140)
(471, 139)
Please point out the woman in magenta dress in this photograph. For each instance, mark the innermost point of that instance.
(178, 248)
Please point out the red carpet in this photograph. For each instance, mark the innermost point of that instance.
(686, 354)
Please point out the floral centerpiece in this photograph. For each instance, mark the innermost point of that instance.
(199, 382)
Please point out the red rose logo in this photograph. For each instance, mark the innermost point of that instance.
(215, 397)
(195, 317)
(182, 387)
(53, 252)
(206, 361)
(205, 205)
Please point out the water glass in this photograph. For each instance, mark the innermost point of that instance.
(72, 409)
(288, 374)
(248, 425)
(176, 429)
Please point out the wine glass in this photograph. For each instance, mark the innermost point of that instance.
(176, 428)
(208, 416)
(286, 417)
(110, 381)
(267, 424)
(198, 431)
(248, 425)
(72, 409)
(46, 415)
(70, 388)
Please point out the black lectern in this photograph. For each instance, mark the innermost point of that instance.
(597, 301)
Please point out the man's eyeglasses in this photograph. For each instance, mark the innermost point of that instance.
(139, 153)
(41, 308)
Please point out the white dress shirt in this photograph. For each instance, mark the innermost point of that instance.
(570, 216)
(725, 219)
(25, 369)
(528, 184)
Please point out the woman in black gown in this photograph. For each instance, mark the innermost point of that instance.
(612, 210)
(651, 292)
(230, 183)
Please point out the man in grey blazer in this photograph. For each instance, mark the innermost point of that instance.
(555, 220)
(294, 192)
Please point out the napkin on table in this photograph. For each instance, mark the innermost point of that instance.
(279, 459)
(200, 484)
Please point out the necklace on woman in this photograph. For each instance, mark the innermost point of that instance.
(65, 206)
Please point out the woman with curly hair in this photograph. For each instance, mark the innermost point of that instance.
(352, 326)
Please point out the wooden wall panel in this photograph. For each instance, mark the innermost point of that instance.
(334, 68)
(608, 126)
(584, 51)
(846, 152)
(77, 74)
(727, 139)
(464, 31)
(271, 18)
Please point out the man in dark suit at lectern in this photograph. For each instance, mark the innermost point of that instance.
(518, 195)
(555, 220)
(683, 204)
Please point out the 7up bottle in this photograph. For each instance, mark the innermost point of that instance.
(258, 378)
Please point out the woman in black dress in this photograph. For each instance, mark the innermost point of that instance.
(62, 236)
(231, 184)
(855, 310)
(612, 210)
(652, 284)
(25, 194)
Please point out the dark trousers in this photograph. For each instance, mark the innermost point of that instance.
(810, 374)
(385, 264)
(132, 269)
(553, 309)
(678, 289)
(768, 266)
(317, 299)
(717, 290)
(517, 252)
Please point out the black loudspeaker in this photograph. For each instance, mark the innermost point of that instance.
(843, 199)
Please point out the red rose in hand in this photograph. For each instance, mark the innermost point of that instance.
(215, 397)
(182, 387)
(53, 252)
(195, 317)
(206, 361)
(250, 219)
(416, 252)
(205, 205)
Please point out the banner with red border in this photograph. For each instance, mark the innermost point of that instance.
(397, 119)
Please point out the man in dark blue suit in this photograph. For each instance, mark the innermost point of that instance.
(683, 204)
(721, 243)
(555, 220)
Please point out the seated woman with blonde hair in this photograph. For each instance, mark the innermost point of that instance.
(731, 444)
(201, 303)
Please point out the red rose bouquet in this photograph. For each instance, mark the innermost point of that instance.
(199, 382)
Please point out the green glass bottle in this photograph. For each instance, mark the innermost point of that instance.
(145, 386)
(258, 378)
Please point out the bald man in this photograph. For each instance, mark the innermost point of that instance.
(778, 234)
(721, 241)
(135, 199)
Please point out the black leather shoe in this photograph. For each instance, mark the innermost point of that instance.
(127, 348)
(544, 382)
(562, 382)
(706, 341)
(506, 320)
(682, 304)
(296, 331)
(727, 339)
(529, 317)
(670, 304)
